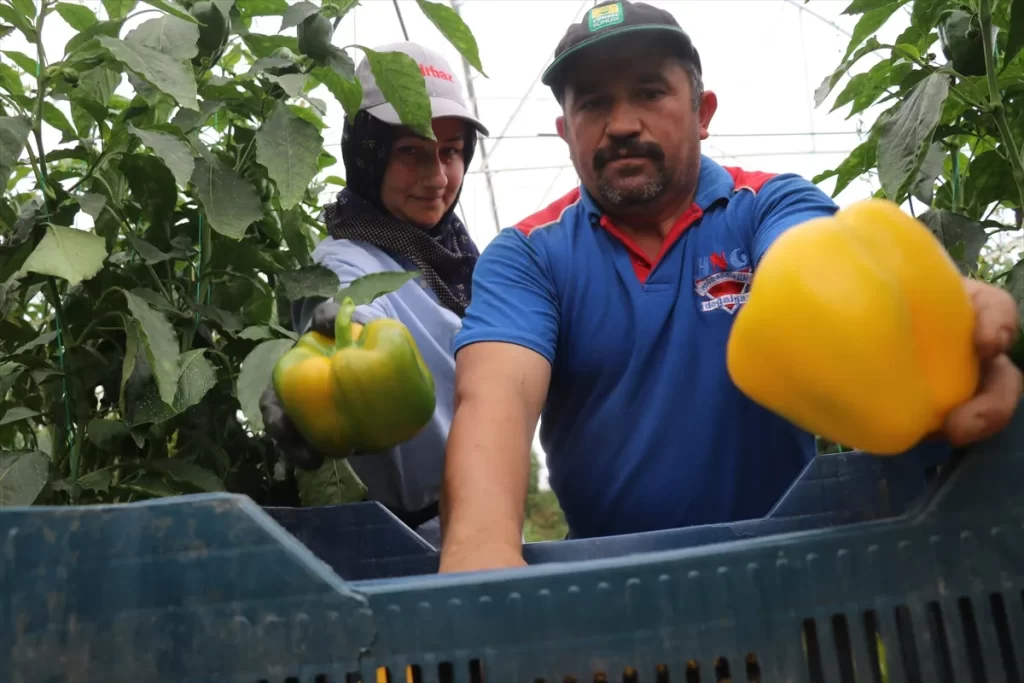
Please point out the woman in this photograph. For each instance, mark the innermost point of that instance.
(397, 212)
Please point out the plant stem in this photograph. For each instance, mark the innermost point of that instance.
(37, 113)
(996, 104)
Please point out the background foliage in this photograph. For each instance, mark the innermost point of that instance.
(133, 354)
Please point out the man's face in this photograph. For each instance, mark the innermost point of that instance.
(631, 125)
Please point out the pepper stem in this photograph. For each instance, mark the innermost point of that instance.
(343, 323)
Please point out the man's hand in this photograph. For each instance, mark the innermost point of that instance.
(280, 428)
(999, 391)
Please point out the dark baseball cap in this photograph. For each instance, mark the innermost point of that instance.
(615, 18)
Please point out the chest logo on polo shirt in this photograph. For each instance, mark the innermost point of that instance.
(725, 281)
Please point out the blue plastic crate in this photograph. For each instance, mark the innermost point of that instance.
(210, 589)
(365, 541)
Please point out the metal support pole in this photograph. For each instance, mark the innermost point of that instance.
(484, 158)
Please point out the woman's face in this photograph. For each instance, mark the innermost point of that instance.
(423, 176)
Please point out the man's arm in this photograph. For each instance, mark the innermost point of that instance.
(504, 354)
(500, 390)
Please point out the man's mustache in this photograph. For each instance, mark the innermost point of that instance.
(628, 148)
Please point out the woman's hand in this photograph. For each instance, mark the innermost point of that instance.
(999, 391)
(280, 428)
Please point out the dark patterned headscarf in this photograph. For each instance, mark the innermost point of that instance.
(445, 254)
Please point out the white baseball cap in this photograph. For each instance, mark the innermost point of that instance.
(443, 86)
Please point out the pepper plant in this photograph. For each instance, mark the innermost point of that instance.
(947, 141)
(133, 353)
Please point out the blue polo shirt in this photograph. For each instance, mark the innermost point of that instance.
(643, 428)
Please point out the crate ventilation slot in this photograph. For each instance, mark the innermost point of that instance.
(835, 639)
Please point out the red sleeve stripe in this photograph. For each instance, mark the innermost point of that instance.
(550, 214)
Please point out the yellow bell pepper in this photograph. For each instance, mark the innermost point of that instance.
(859, 329)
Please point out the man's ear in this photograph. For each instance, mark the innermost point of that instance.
(708, 107)
(560, 126)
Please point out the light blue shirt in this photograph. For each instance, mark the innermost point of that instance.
(407, 476)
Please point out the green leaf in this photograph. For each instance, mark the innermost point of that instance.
(261, 8)
(293, 84)
(860, 161)
(1015, 286)
(26, 7)
(296, 13)
(263, 46)
(923, 187)
(160, 344)
(163, 72)
(962, 237)
(255, 377)
(190, 474)
(14, 131)
(28, 64)
(869, 24)
(92, 203)
(10, 80)
(23, 475)
(822, 92)
(452, 27)
(365, 289)
(295, 235)
(97, 480)
(197, 376)
(862, 6)
(172, 8)
(255, 333)
(907, 134)
(403, 86)
(19, 20)
(109, 435)
(172, 150)
(55, 117)
(17, 414)
(288, 148)
(119, 9)
(1015, 41)
(78, 17)
(334, 483)
(169, 35)
(74, 255)
(348, 91)
(925, 13)
(230, 202)
(309, 281)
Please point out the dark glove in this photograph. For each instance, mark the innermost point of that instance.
(285, 435)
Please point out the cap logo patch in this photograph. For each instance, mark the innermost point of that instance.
(603, 17)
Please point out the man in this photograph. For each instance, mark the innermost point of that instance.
(610, 310)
